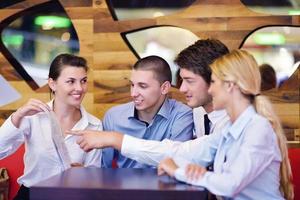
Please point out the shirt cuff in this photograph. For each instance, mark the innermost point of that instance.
(130, 145)
(180, 175)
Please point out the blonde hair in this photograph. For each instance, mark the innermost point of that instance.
(241, 68)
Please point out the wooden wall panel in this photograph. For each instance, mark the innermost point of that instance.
(110, 59)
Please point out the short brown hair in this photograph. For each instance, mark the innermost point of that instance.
(200, 55)
(158, 65)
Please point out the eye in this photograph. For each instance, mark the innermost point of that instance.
(84, 81)
(189, 81)
(143, 86)
(70, 81)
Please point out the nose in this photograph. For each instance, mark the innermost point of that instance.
(134, 91)
(78, 86)
(183, 88)
(209, 90)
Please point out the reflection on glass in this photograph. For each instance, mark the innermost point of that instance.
(137, 9)
(277, 46)
(164, 41)
(8, 94)
(36, 37)
(275, 7)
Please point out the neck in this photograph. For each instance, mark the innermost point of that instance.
(148, 114)
(63, 111)
(208, 107)
(236, 107)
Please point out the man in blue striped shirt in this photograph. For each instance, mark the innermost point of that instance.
(151, 115)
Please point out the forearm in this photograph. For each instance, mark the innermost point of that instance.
(16, 119)
(147, 151)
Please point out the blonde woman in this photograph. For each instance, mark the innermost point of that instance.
(249, 154)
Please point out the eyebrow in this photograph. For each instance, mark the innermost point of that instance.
(75, 78)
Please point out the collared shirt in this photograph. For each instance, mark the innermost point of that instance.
(246, 160)
(152, 152)
(174, 121)
(215, 117)
(40, 158)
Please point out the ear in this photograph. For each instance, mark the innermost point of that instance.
(52, 84)
(165, 87)
(230, 86)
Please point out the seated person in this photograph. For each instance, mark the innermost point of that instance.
(268, 77)
(250, 153)
(151, 115)
(32, 124)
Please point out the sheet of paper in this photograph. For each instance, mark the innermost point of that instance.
(59, 143)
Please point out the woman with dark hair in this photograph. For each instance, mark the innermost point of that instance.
(41, 126)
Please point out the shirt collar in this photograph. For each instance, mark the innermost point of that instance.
(236, 129)
(164, 110)
(85, 119)
(216, 115)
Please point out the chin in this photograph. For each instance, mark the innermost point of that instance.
(75, 103)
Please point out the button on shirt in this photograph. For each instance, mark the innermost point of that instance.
(152, 152)
(246, 161)
(174, 121)
(40, 158)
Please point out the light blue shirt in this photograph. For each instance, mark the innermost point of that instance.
(246, 160)
(173, 121)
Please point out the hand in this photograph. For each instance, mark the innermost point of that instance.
(167, 166)
(76, 165)
(90, 139)
(32, 107)
(194, 172)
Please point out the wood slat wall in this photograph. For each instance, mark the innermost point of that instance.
(110, 59)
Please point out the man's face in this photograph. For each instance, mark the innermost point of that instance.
(194, 88)
(146, 91)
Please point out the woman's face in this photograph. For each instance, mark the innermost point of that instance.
(219, 93)
(71, 85)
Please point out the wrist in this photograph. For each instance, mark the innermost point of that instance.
(116, 140)
(16, 118)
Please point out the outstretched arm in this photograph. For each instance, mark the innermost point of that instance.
(90, 139)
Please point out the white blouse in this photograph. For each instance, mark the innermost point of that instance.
(41, 159)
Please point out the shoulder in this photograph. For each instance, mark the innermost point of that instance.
(93, 119)
(259, 128)
(178, 106)
(119, 108)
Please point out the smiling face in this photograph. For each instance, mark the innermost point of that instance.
(146, 91)
(70, 86)
(194, 88)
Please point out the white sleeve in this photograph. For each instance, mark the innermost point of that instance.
(11, 137)
(152, 152)
(148, 151)
(254, 156)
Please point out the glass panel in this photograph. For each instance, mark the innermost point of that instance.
(275, 7)
(164, 41)
(8, 93)
(32, 38)
(278, 46)
(137, 9)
